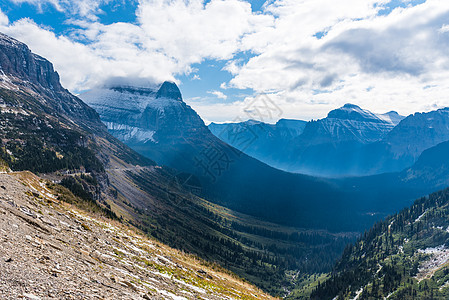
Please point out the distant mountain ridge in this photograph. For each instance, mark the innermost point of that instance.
(419, 132)
(351, 123)
(326, 147)
(350, 141)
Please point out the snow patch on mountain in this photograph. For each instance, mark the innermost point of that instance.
(119, 98)
(127, 133)
(351, 122)
(144, 114)
(127, 98)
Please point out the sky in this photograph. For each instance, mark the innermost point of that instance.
(306, 56)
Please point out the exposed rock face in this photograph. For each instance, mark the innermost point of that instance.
(418, 132)
(22, 70)
(349, 123)
(169, 90)
(17, 60)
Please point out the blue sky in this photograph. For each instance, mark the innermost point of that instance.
(308, 56)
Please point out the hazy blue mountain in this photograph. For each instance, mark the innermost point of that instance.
(389, 145)
(257, 139)
(431, 168)
(342, 144)
(350, 141)
(350, 123)
(419, 132)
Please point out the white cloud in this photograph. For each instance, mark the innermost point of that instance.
(169, 36)
(233, 66)
(444, 28)
(3, 19)
(190, 31)
(378, 62)
(310, 55)
(218, 94)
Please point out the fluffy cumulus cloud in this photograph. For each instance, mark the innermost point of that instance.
(309, 56)
(168, 37)
(190, 31)
(351, 53)
(218, 94)
(3, 19)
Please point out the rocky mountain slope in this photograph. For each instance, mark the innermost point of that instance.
(142, 114)
(21, 70)
(404, 256)
(52, 249)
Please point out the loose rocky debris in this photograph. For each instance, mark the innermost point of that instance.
(49, 249)
(438, 257)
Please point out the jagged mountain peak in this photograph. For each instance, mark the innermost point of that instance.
(444, 110)
(25, 72)
(9, 41)
(253, 122)
(392, 117)
(356, 113)
(144, 114)
(169, 90)
(353, 112)
(392, 112)
(17, 60)
(351, 106)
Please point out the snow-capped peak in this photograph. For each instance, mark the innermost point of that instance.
(133, 98)
(354, 112)
(391, 117)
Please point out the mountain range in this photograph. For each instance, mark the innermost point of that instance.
(47, 130)
(350, 141)
(143, 157)
(226, 176)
